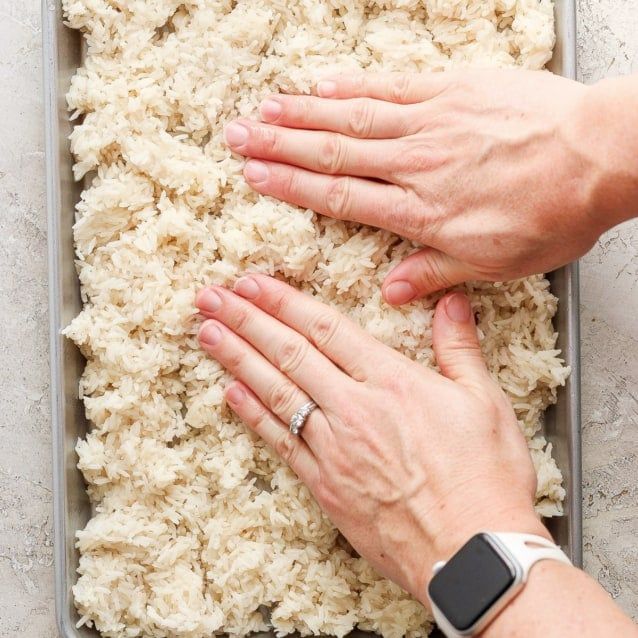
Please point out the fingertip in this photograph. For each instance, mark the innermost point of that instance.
(400, 292)
(458, 308)
(454, 314)
(430, 271)
(247, 287)
(327, 88)
(236, 134)
(270, 109)
(199, 296)
(207, 300)
(235, 394)
(210, 333)
(256, 172)
(455, 340)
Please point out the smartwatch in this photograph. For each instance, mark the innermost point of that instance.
(471, 589)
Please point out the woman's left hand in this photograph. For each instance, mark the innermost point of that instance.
(406, 462)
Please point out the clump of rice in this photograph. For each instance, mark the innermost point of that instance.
(198, 528)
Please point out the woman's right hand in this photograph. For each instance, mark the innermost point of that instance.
(500, 174)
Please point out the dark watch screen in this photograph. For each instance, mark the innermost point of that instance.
(470, 583)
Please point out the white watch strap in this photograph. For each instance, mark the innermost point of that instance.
(525, 550)
(528, 549)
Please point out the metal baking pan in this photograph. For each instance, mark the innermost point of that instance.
(62, 55)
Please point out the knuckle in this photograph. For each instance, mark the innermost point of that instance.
(286, 446)
(361, 119)
(359, 84)
(352, 416)
(406, 217)
(290, 182)
(357, 370)
(282, 398)
(352, 405)
(331, 153)
(430, 275)
(460, 350)
(235, 360)
(419, 155)
(260, 421)
(422, 161)
(278, 304)
(291, 355)
(412, 160)
(269, 139)
(302, 109)
(322, 328)
(338, 198)
(239, 319)
(406, 122)
(400, 87)
(396, 380)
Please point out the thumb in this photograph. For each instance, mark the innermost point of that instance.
(422, 274)
(455, 341)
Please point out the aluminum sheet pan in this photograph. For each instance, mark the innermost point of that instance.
(62, 55)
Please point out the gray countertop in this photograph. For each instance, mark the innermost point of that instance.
(608, 45)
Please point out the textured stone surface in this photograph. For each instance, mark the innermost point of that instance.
(608, 45)
(26, 578)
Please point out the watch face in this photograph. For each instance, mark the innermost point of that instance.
(470, 583)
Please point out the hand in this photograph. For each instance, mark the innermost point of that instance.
(485, 168)
(407, 463)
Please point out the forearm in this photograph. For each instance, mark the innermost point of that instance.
(558, 601)
(607, 132)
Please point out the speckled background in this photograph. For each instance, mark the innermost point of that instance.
(608, 45)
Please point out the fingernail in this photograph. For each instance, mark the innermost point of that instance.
(326, 88)
(458, 308)
(256, 172)
(247, 287)
(270, 110)
(236, 134)
(208, 300)
(210, 334)
(400, 292)
(235, 395)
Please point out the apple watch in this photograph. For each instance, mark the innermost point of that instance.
(472, 588)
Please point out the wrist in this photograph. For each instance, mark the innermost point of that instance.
(452, 535)
(604, 132)
(484, 577)
(517, 613)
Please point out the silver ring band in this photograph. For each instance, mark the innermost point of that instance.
(299, 418)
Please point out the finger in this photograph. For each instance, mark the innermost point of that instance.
(318, 151)
(423, 273)
(286, 349)
(339, 338)
(348, 198)
(292, 449)
(360, 117)
(275, 390)
(401, 88)
(455, 341)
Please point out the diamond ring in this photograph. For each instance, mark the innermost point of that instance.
(299, 418)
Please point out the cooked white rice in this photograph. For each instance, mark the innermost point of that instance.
(198, 528)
